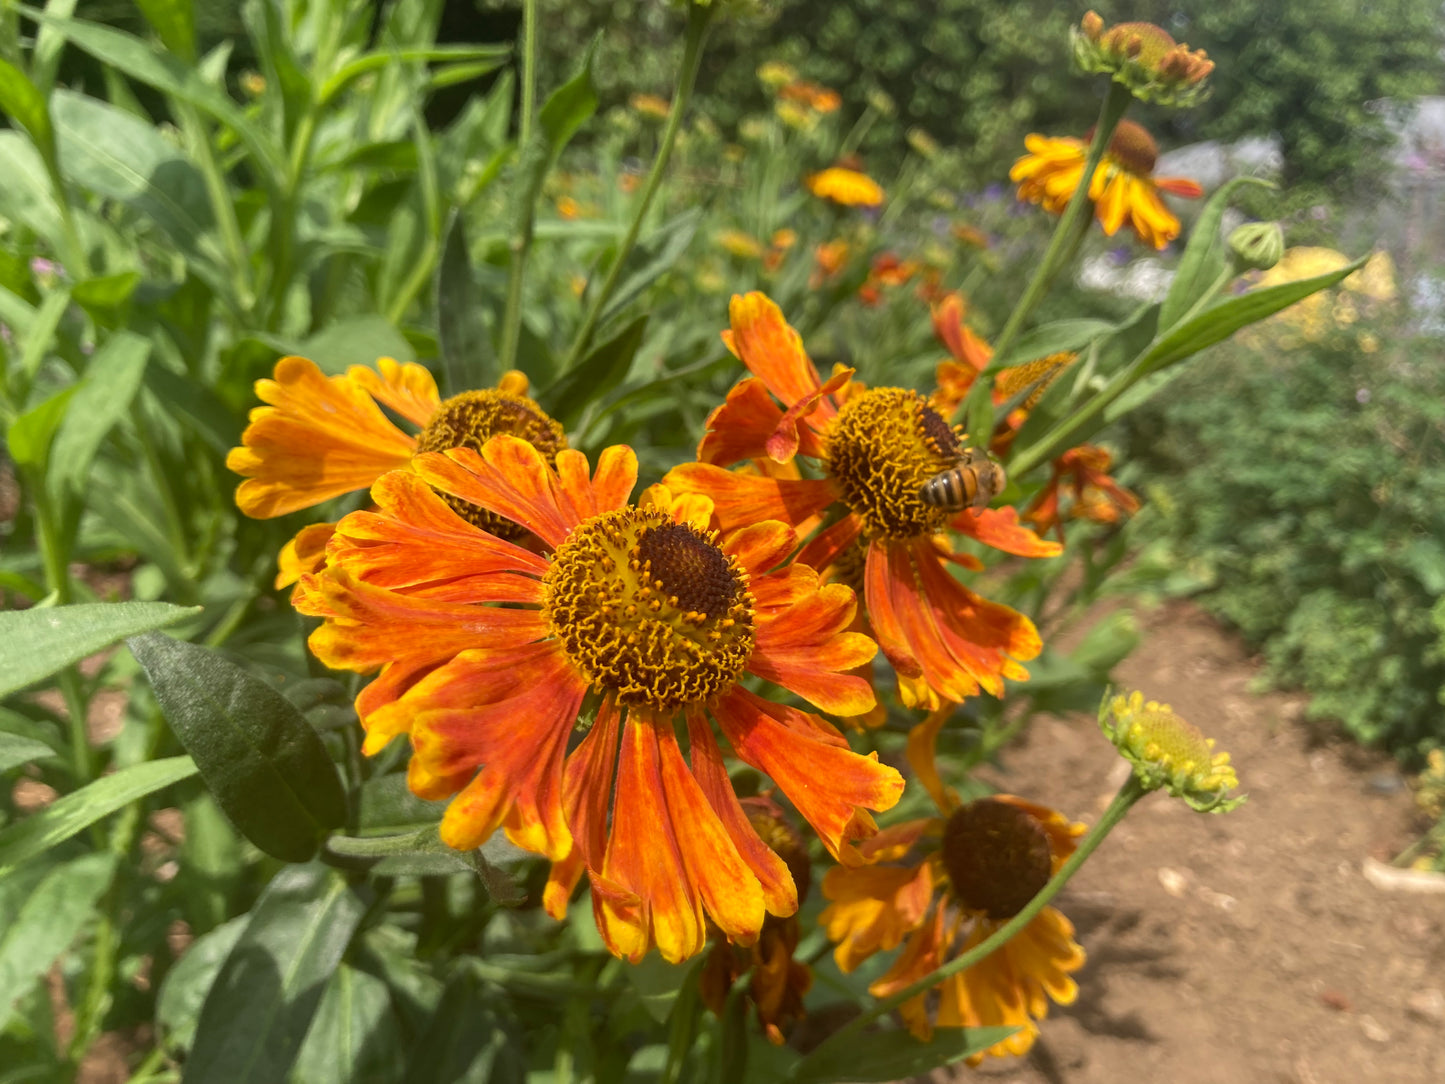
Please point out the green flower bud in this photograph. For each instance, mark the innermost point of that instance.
(1256, 246)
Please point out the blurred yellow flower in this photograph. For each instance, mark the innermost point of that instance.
(650, 105)
(775, 74)
(740, 244)
(845, 186)
(568, 207)
(1311, 319)
(795, 116)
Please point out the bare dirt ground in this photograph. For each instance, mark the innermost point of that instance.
(1247, 948)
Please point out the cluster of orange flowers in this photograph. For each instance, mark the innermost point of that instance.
(577, 665)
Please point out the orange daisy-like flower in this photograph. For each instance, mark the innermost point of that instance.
(816, 97)
(488, 651)
(322, 436)
(941, 885)
(877, 447)
(847, 187)
(1084, 473)
(1124, 188)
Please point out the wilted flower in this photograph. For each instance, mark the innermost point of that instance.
(1083, 473)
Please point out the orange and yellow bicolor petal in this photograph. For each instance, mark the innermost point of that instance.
(317, 438)
(873, 908)
(407, 388)
(773, 351)
(740, 499)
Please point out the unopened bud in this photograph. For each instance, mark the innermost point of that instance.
(1256, 246)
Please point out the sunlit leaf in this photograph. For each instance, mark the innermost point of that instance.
(174, 22)
(38, 642)
(78, 810)
(23, 102)
(267, 768)
(15, 749)
(31, 433)
(104, 398)
(188, 983)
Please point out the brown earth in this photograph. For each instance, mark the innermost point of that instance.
(1247, 948)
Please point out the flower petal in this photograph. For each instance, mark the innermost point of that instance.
(784, 442)
(320, 437)
(772, 350)
(739, 429)
(408, 388)
(587, 780)
(510, 478)
(873, 908)
(306, 553)
(1001, 529)
(830, 786)
(743, 499)
(760, 547)
(878, 593)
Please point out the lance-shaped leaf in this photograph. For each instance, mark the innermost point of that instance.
(77, 811)
(466, 353)
(261, 1004)
(17, 749)
(355, 1036)
(48, 921)
(22, 101)
(467, 1040)
(267, 768)
(423, 854)
(1204, 259)
(893, 1055)
(111, 381)
(38, 642)
(597, 374)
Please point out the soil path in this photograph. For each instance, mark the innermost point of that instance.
(1239, 949)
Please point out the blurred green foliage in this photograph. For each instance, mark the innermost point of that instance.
(1302, 496)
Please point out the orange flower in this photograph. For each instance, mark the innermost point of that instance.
(877, 448)
(848, 187)
(818, 98)
(1145, 58)
(487, 651)
(324, 436)
(1124, 188)
(888, 271)
(830, 258)
(941, 885)
(1095, 495)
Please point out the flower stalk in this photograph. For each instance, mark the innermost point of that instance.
(699, 21)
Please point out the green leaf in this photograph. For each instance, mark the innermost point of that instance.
(565, 111)
(655, 256)
(22, 101)
(355, 1035)
(1225, 318)
(15, 750)
(27, 196)
(188, 983)
(110, 383)
(107, 292)
(198, 404)
(267, 768)
(892, 1055)
(359, 340)
(386, 802)
(1205, 258)
(50, 919)
(38, 642)
(40, 333)
(262, 1002)
(77, 811)
(467, 356)
(423, 854)
(174, 22)
(597, 374)
(465, 1042)
(31, 433)
(487, 57)
(170, 75)
(1052, 338)
(117, 155)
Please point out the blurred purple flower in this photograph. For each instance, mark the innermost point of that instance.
(993, 192)
(1119, 255)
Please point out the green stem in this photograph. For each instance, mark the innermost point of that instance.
(421, 273)
(699, 19)
(521, 242)
(1128, 794)
(222, 204)
(1060, 247)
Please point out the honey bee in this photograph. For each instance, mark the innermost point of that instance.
(972, 482)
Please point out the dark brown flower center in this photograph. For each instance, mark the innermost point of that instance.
(690, 569)
(997, 857)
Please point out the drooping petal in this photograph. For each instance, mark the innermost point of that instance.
(408, 388)
(730, 894)
(508, 720)
(873, 908)
(743, 499)
(797, 762)
(923, 759)
(806, 648)
(780, 895)
(1001, 529)
(878, 593)
(785, 441)
(587, 780)
(643, 861)
(829, 544)
(304, 554)
(320, 437)
(740, 428)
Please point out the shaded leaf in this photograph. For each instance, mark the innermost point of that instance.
(27, 195)
(467, 356)
(423, 854)
(77, 811)
(359, 340)
(595, 376)
(110, 383)
(267, 768)
(15, 750)
(1205, 257)
(107, 291)
(485, 57)
(465, 1042)
(892, 1055)
(174, 22)
(188, 983)
(41, 641)
(50, 919)
(654, 257)
(355, 1035)
(262, 1002)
